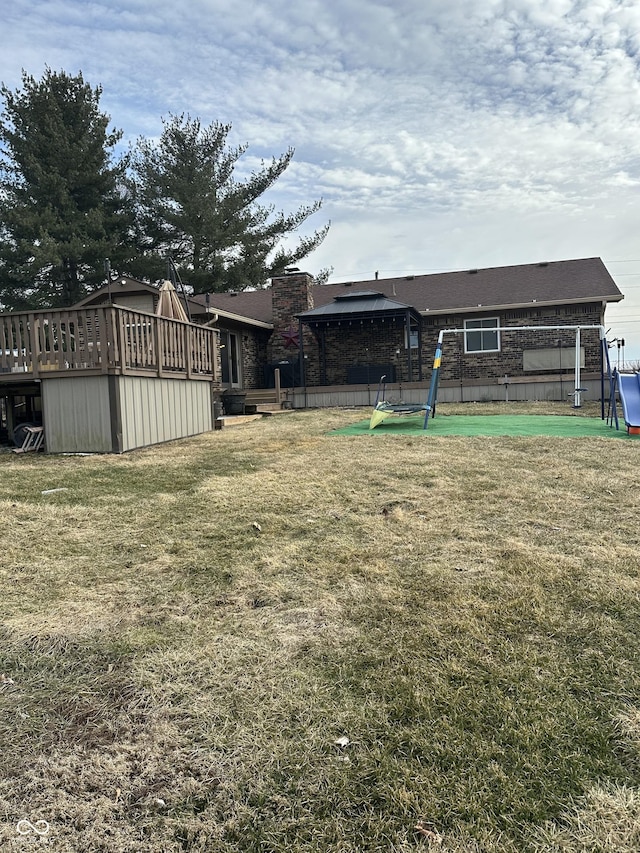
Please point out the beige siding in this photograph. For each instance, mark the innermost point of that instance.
(81, 416)
(448, 392)
(76, 414)
(551, 359)
(522, 391)
(157, 410)
(135, 302)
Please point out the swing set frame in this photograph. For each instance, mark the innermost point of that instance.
(383, 409)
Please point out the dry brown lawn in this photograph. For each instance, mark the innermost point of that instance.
(274, 639)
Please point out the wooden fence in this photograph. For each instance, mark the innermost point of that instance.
(107, 339)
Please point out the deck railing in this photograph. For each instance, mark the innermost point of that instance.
(104, 339)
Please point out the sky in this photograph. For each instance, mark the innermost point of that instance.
(440, 134)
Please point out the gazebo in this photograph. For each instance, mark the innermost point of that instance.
(374, 313)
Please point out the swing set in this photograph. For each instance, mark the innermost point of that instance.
(384, 409)
(626, 387)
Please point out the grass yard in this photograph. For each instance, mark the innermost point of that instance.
(275, 639)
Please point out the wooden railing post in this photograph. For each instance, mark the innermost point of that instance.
(103, 342)
(159, 346)
(34, 345)
(110, 345)
(124, 344)
(188, 334)
(6, 350)
(276, 374)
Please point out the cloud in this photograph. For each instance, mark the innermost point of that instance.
(440, 134)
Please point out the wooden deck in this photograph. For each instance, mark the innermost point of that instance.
(107, 339)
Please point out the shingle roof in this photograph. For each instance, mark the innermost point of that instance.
(253, 304)
(557, 282)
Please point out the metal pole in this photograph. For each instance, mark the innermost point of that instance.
(433, 386)
(407, 323)
(107, 271)
(603, 344)
(598, 326)
(303, 378)
(443, 332)
(577, 390)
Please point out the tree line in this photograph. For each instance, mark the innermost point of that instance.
(69, 200)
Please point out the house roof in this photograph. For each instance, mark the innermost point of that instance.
(495, 288)
(244, 304)
(124, 285)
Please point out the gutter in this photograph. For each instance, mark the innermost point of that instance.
(427, 312)
(247, 321)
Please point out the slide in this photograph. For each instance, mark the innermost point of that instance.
(629, 389)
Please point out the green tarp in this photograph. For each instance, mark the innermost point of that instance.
(570, 426)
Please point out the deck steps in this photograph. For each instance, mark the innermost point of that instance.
(259, 402)
(265, 408)
(267, 398)
(225, 421)
(267, 413)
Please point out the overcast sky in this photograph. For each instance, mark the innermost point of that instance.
(441, 134)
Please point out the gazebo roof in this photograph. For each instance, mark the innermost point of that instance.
(356, 305)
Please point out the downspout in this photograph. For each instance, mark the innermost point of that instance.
(207, 300)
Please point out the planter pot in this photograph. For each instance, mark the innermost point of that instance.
(233, 404)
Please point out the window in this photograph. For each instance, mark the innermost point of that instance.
(482, 335)
(230, 352)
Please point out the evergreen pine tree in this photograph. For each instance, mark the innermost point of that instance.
(62, 205)
(191, 206)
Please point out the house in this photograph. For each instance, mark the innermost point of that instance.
(242, 339)
(110, 374)
(333, 342)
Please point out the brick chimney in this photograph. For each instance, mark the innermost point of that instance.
(292, 293)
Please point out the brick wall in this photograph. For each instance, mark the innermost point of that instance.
(292, 294)
(254, 356)
(356, 343)
(456, 364)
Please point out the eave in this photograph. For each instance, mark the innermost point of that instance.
(427, 312)
(239, 318)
